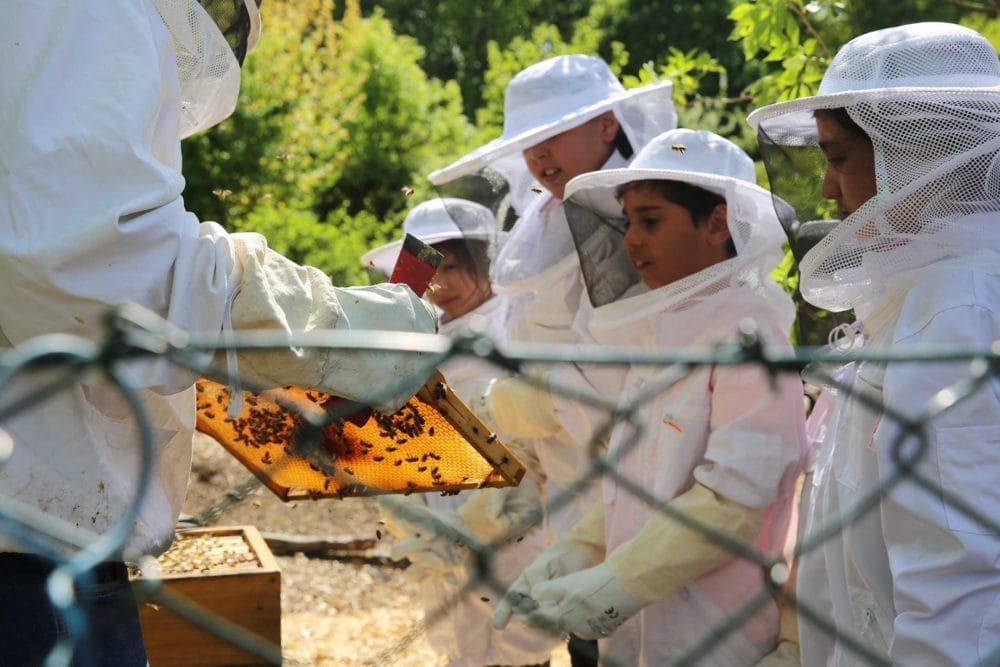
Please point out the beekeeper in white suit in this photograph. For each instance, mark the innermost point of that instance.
(721, 445)
(97, 97)
(457, 609)
(576, 99)
(563, 116)
(909, 121)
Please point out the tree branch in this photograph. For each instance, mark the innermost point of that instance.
(809, 27)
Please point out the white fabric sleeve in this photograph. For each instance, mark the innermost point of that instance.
(945, 575)
(756, 445)
(586, 410)
(278, 295)
(665, 554)
(90, 180)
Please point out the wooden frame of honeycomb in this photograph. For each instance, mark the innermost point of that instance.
(286, 437)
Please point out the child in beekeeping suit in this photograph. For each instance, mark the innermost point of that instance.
(459, 617)
(97, 97)
(720, 444)
(908, 121)
(562, 117)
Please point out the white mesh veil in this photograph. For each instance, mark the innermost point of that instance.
(210, 39)
(543, 100)
(928, 97)
(702, 159)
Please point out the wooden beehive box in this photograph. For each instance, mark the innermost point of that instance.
(228, 571)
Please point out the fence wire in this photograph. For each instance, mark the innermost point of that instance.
(134, 334)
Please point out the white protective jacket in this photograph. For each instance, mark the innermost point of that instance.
(538, 269)
(914, 579)
(91, 216)
(465, 632)
(727, 428)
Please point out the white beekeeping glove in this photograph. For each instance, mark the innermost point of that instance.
(579, 548)
(276, 294)
(591, 603)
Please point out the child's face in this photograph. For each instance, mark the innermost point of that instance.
(850, 166)
(663, 242)
(455, 289)
(584, 148)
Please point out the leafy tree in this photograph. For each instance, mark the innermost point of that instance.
(335, 119)
(455, 34)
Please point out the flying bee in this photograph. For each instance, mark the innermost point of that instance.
(285, 157)
(222, 193)
(680, 148)
(407, 191)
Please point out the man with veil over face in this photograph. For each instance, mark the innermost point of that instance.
(908, 121)
(97, 97)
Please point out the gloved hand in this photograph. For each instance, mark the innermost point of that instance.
(504, 512)
(426, 537)
(591, 603)
(557, 561)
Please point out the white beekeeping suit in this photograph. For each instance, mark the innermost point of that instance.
(913, 579)
(537, 269)
(462, 627)
(96, 99)
(722, 444)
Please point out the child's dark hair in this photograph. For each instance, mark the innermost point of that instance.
(473, 255)
(623, 145)
(699, 202)
(840, 116)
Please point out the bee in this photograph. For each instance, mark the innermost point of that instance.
(680, 148)
(537, 190)
(285, 157)
(407, 191)
(222, 193)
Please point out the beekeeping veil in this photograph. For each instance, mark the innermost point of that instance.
(696, 157)
(211, 38)
(438, 220)
(928, 97)
(541, 101)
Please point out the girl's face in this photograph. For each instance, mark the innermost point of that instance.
(663, 242)
(850, 166)
(584, 148)
(455, 288)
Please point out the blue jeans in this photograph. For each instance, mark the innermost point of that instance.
(30, 626)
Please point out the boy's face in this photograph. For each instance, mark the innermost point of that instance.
(455, 289)
(584, 148)
(663, 242)
(850, 166)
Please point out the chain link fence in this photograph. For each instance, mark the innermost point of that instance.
(135, 334)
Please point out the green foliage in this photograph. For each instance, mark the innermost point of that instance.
(335, 120)
(333, 245)
(346, 103)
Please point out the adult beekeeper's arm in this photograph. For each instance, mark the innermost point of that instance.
(753, 452)
(90, 177)
(944, 562)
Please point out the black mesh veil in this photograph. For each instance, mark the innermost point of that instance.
(489, 188)
(600, 244)
(237, 21)
(796, 175)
